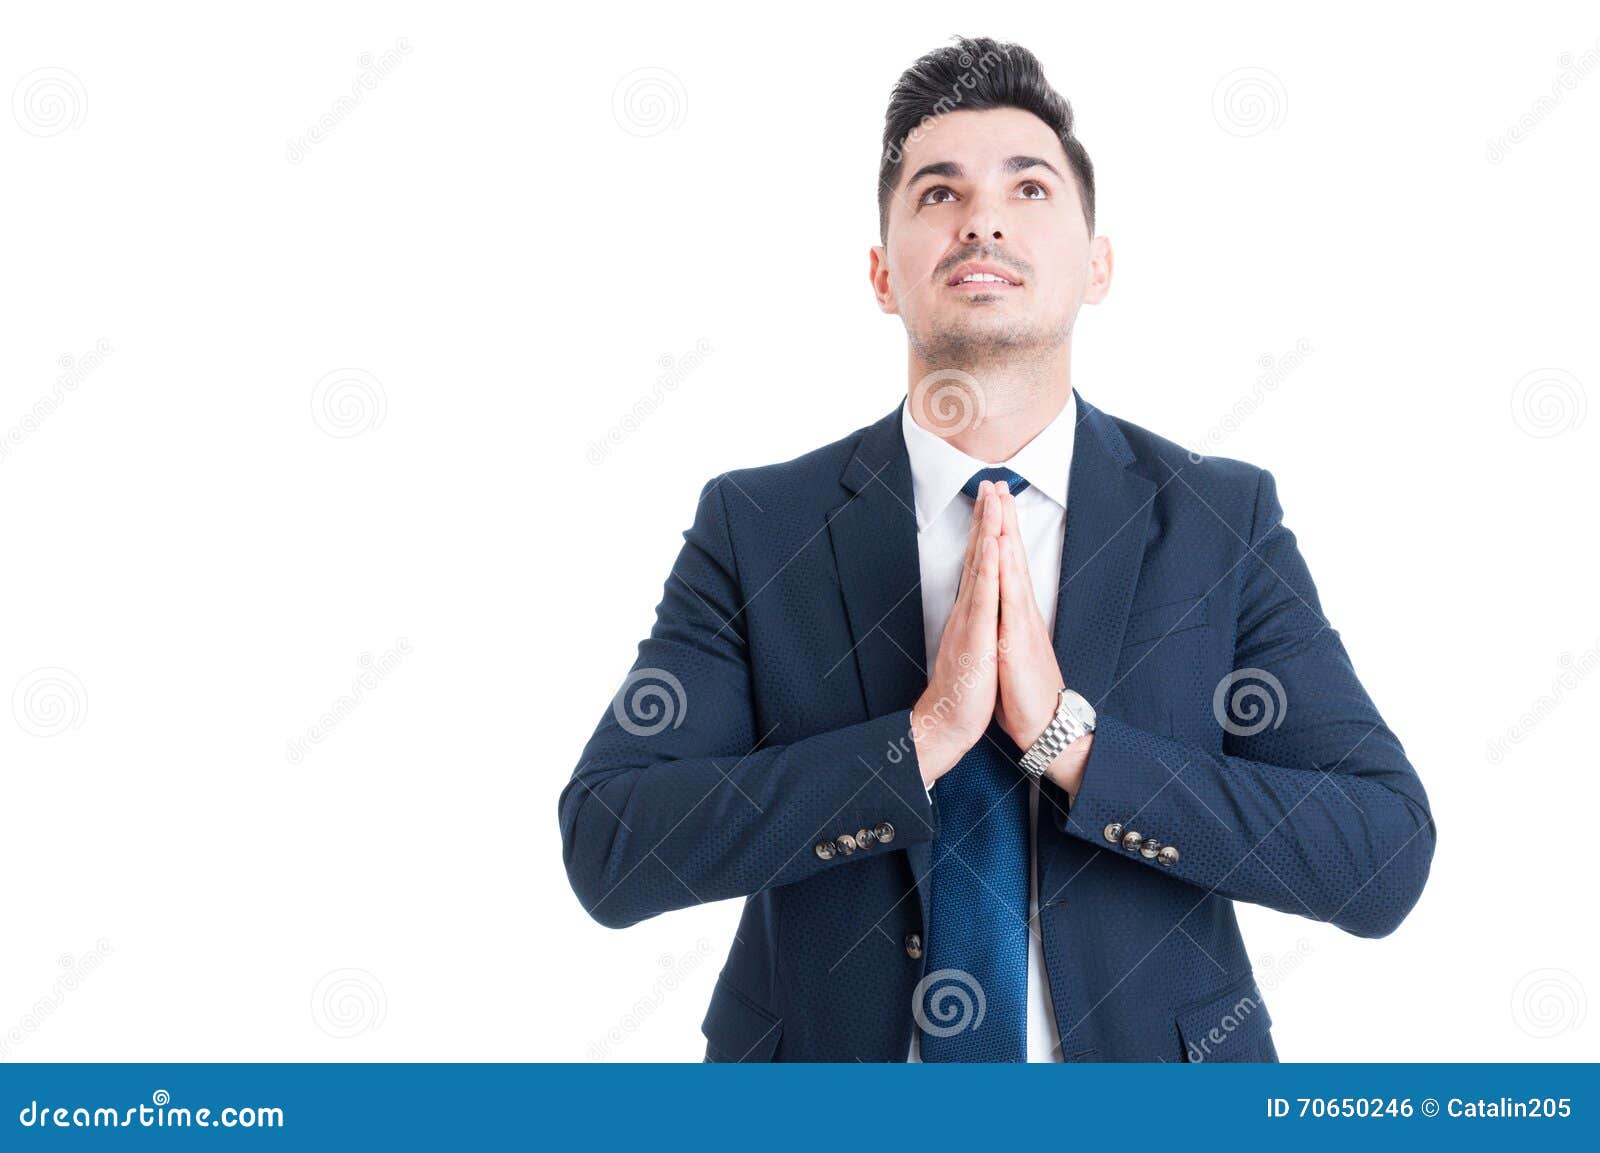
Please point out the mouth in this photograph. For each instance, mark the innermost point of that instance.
(974, 278)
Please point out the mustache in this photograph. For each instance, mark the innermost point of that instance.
(987, 254)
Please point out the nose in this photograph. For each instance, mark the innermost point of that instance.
(983, 220)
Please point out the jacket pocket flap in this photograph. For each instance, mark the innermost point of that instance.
(1156, 621)
(1226, 1026)
(737, 1028)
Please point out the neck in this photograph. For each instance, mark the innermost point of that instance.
(1014, 401)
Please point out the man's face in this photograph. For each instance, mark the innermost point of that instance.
(986, 195)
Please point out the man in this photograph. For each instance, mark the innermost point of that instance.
(993, 708)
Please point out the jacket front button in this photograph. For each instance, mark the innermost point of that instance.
(1114, 833)
(1131, 840)
(825, 850)
(885, 832)
(913, 946)
(1168, 855)
(1149, 849)
(846, 843)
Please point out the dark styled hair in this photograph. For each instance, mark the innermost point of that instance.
(974, 74)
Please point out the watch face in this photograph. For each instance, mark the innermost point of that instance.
(1081, 710)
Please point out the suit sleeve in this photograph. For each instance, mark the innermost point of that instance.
(1313, 807)
(684, 794)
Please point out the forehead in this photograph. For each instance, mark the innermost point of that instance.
(980, 142)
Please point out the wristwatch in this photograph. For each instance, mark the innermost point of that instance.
(1074, 717)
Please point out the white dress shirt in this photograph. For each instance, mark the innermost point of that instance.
(944, 515)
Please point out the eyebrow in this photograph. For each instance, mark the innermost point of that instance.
(954, 171)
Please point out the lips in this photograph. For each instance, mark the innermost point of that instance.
(983, 277)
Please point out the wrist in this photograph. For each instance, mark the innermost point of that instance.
(940, 742)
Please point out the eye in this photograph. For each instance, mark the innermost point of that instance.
(1033, 190)
(928, 197)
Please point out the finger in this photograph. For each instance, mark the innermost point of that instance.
(986, 522)
(1016, 586)
(985, 615)
(969, 560)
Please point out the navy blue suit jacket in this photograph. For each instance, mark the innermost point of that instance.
(769, 713)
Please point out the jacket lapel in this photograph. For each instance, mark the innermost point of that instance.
(874, 536)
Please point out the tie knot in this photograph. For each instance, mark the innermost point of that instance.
(1014, 482)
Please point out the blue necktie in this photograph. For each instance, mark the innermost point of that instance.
(1014, 482)
(973, 1001)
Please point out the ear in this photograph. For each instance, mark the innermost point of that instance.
(1099, 270)
(881, 288)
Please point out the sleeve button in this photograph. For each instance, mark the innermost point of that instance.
(825, 850)
(1168, 855)
(1114, 832)
(885, 832)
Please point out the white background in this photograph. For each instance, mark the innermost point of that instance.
(195, 562)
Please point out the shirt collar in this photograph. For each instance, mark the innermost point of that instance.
(939, 468)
